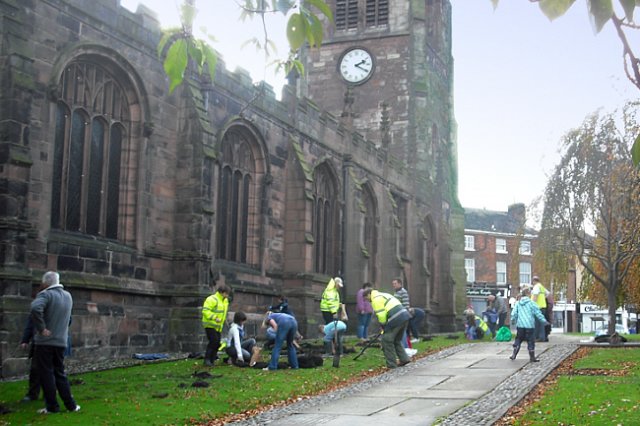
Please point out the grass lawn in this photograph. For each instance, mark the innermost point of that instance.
(161, 393)
(600, 388)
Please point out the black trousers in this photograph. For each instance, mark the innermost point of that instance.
(211, 353)
(50, 364)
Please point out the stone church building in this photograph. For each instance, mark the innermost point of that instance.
(139, 197)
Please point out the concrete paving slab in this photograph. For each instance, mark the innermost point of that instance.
(406, 387)
(504, 371)
(332, 420)
(355, 405)
(446, 363)
(492, 364)
(483, 382)
(419, 408)
(465, 394)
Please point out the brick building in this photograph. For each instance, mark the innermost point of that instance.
(138, 196)
(498, 253)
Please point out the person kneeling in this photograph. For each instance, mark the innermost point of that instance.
(238, 348)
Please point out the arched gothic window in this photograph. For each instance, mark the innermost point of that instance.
(325, 222)
(91, 139)
(238, 206)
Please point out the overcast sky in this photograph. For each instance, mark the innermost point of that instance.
(520, 83)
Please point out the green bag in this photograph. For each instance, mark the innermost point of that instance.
(504, 334)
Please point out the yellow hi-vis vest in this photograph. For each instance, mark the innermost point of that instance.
(214, 311)
(330, 301)
(541, 298)
(480, 323)
(382, 303)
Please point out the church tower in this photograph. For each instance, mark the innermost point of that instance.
(385, 69)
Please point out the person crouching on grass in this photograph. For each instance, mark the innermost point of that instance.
(238, 348)
(393, 318)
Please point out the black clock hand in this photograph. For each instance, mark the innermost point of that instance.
(359, 65)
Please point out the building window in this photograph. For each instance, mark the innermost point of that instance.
(325, 218)
(501, 273)
(525, 247)
(91, 143)
(237, 224)
(501, 245)
(469, 242)
(525, 273)
(470, 269)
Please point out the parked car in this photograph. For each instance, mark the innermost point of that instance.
(620, 329)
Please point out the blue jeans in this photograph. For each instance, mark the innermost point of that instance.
(287, 329)
(363, 325)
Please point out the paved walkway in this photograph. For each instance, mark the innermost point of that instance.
(470, 384)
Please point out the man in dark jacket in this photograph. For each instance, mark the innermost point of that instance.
(51, 312)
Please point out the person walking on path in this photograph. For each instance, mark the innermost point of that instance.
(525, 314)
(214, 314)
(364, 311)
(393, 319)
(51, 313)
(330, 302)
(286, 328)
(539, 295)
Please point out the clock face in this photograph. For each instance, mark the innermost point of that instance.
(356, 66)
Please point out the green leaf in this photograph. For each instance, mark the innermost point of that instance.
(176, 62)
(628, 6)
(210, 59)
(555, 8)
(635, 152)
(166, 36)
(314, 31)
(195, 52)
(322, 7)
(296, 31)
(601, 11)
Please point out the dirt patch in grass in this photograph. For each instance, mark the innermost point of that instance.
(566, 368)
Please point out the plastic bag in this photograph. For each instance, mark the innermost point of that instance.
(503, 334)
